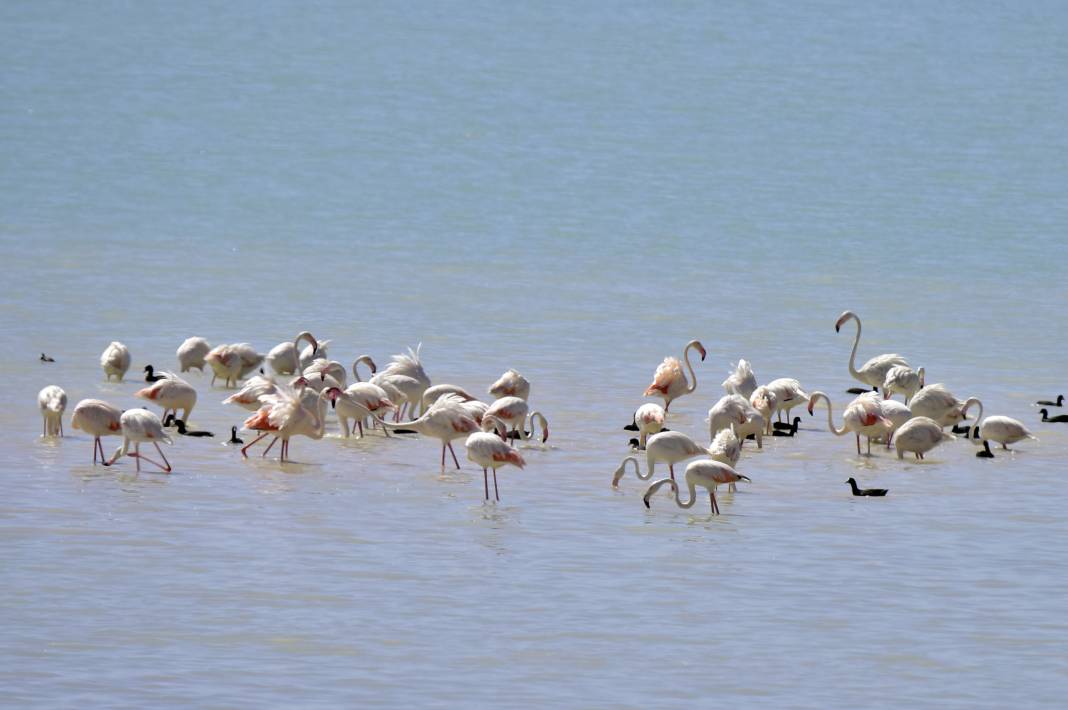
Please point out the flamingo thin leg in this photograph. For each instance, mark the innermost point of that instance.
(495, 493)
(453, 452)
(244, 451)
(485, 481)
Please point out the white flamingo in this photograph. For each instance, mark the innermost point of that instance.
(741, 381)
(788, 394)
(490, 451)
(765, 401)
(331, 368)
(115, 360)
(670, 447)
(515, 414)
(903, 379)
(918, 436)
(669, 381)
(726, 448)
(311, 353)
(734, 410)
(97, 418)
(52, 401)
(366, 360)
(999, 429)
(410, 366)
(510, 384)
(863, 417)
(873, 372)
(938, 403)
(648, 419)
(287, 413)
(359, 401)
(894, 411)
(445, 421)
(432, 394)
(141, 425)
(191, 353)
(707, 473)
(171, 393)
(248, 397)
(232, 362)
(284, 358)
(406, 392)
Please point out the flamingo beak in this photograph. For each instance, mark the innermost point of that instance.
(322, 376)
(703, 354)
(546, 436)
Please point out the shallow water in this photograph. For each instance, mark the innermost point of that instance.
(574, 193)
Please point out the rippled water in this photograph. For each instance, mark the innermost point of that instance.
(574, 193)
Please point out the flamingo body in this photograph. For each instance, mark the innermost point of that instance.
(52, 401)
(918, 436)
(97, 418)
(191, 353)
(510, 384)
(708, 474)
(115, 360)
(171, 393)
(669, 380)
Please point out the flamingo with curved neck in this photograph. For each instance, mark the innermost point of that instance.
(669, 381)
(708, 474)
(366, 360)
(670, 447)
(284, 358)
(873, 372)
(863, 416)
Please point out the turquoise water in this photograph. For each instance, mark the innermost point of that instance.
(575, 193)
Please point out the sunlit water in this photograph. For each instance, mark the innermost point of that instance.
(574, 193)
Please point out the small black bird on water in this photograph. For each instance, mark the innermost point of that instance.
(861, 390)
(873, 492)
(961, 428)
(150, 377)
(784, 429)
(1058, 403)
(45, 358)
(234, 439)
(171, 419)
(1047, 418)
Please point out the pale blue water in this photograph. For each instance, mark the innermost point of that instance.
(574, 193)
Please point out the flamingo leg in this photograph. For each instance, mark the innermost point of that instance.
(360, 425)
(453, 452)
(715, 504)
(162, 456)
(137, 455)
(858, 444)
(485, 481)
(285, 451)
(671, 470)
(495, 493)
(385, 430)
(244, 451)
(443, 459)
(264, 454)
(869, 446)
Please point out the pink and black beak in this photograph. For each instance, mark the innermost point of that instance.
(333, 393)
(545, 436)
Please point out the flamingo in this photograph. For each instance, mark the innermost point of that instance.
(52, 401)
(171, 393)
(707, 473)
(918, 436)
(513, 411)
(734, 410)
(331, 368)
(115, 360)
(410, 366)
(445, 420)
(938, 403)
(287, 413)
(894, 411)
(311, 353)
(669, 381)
(232, 362)
(510, 384)
(250, 359)
(1000, 429)
(490, 451)
(365, 359)
(359, 401)
(726, 448)
(863, 416)
(648, 419)
(191, 354)
(141, 425)
(284, 358)
(248, 397)
(765, 401)
(903, 379)
(406, 392)
(668, 447)
(432, 394)
(873, 372)
(97, 418)
(741, 381)
(788, 394)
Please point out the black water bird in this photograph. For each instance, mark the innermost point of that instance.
(861, 390)
(151, 377)
(234, 438)
(1060, 418)
(1048, 403)
(961, 428)
(175, 421)
(45, 358)
(783, 429)
(873, 492)
(986, 453)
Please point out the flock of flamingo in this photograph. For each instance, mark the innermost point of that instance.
(291, 401)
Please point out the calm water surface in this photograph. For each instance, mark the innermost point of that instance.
(574, 193)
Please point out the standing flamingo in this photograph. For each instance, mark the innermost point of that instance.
(668, 447)
(284, 358)
(765, 401)
(141, 425)
(366, 360)
(411, 367)
(669, 381)
(1000, 429)
(115, 360)
(788, 394)
(248, 397)
(873, 372)
(445, 420)
(510, 384)
(432, 394)
(734, 410)
(171, 393)
(232, 362)
(191, 354)
(288, 413)
(513, 411)
(863, 416)
(741, 381)
(903, 379)
(918, 436)
(490, 451)
(707, 473)
(938, 403)
(648, 419)
(359, 401)
(52, 401)
(97, 418)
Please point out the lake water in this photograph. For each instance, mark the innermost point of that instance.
(576, 193)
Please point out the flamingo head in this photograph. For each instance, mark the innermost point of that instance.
(545, 436)
(842, 319)
(701, 349)
(333, 393)
(300, 382)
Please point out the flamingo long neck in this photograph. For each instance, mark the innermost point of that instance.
(830, 421)
(419, 425)
(852, 358)
(526, 432)
(622, 470)
(975, 427)
(693, 494)
(365, 359)
(693, 375)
